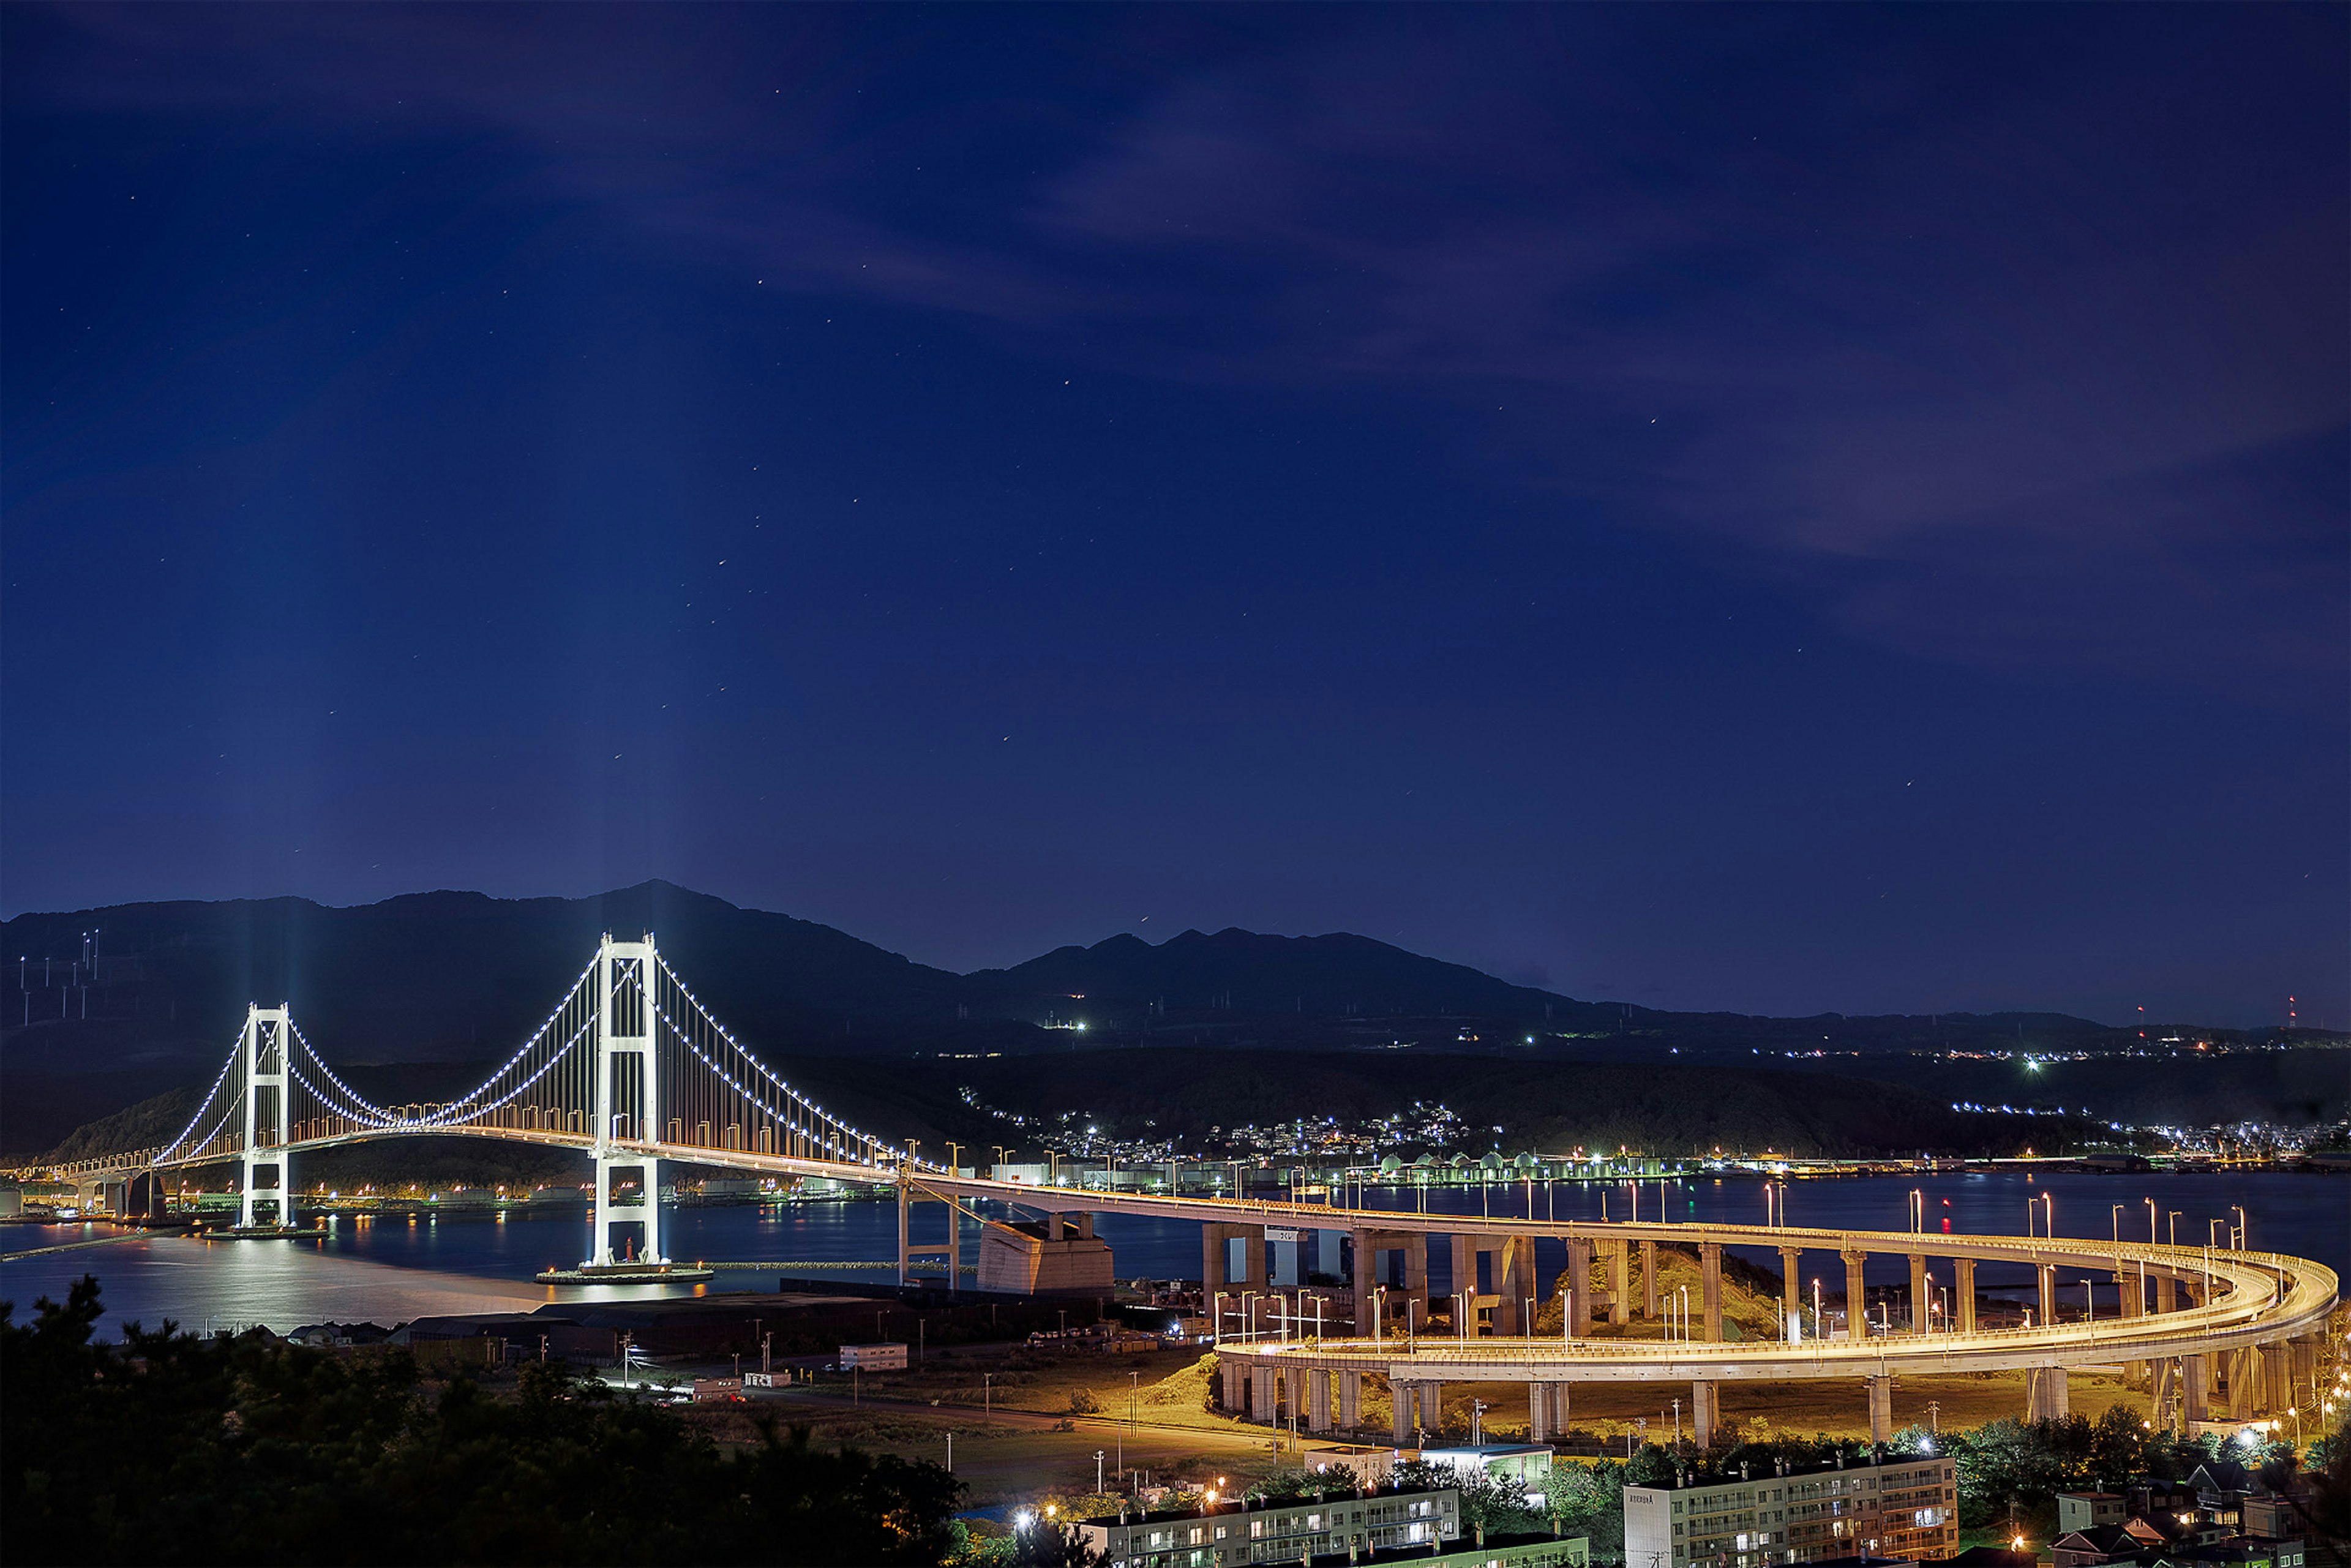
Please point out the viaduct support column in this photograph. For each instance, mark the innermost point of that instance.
(1791, 1290)
(1856, 1296)
(1514, 1282)
(2046, 1393)
(2047, 1273)
(1649, 1280)
(1432, 1408)
(2167, 1293)
(1402, 1398)
(1577, 1282)
(1318, 1400)
(2195, 1389)
(1235, 1376)
(2163, 1393)
(1709, 1257)
(1706, 1410)
(1261, 1394)
(1366, 1280)
(1620, 1280)
(2305, 1349)
(1963, 1292)
(1351, 1400)
(1881, 1408)
(1921, 1313)
(2277, 1375)
(1537, 1412)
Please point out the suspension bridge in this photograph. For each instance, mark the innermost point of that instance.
(630, 1069)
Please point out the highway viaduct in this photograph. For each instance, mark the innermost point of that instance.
(2192, 1320)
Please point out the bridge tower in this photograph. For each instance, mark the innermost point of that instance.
(627, 1101)
(268, 1107)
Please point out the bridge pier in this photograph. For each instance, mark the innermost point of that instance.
(1921, 1308)
(2167, 1292)
(1649, 1280)
(2277, 1376)
(1706, 1410)
(1619, 1254)
(2046, 1393)
(1235, 1386)
(1369, 1245)
(1881, 1408)
(1577, 1282)
(2196, 1388)
(1709, 1257)
(1791, 1290)
(2047, 1273)
(1963, 1292)
(1261, 1394)
(1856, 1295)
(1318, 1400)
(1216, 1259)
(1432, 1406)
(1402, 1399)
(2305, 1349)
(1351, 1400)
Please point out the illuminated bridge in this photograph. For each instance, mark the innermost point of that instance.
(630, 1069)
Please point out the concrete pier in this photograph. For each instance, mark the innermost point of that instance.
(1709, 1258)
(2045, 1394)
(1577, 1282)
(1856, 1295)
(1963, 1292)
(1706, 1410)
(1881, 1408)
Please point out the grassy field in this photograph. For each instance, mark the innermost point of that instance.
(1153, 1407)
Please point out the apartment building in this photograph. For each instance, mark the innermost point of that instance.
(1898, 1508)
(1282, 1532)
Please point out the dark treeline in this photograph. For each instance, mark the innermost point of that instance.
(169, 1450)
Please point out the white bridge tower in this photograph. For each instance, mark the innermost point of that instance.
(628, 1103)
(268, 1107)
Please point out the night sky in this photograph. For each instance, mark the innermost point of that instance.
(1759, 508)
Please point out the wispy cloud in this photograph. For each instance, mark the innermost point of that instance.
(2014, 374)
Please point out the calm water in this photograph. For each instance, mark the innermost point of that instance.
(388, 1270)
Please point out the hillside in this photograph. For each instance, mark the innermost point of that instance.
(457, 976)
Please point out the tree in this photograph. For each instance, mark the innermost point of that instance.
(170, 1449)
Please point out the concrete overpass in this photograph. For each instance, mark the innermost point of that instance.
(2192, 1320)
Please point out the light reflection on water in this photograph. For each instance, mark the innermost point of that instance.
(387, 1270)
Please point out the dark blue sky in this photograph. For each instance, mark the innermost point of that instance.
(1762, 508)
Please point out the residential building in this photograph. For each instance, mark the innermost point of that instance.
(2088, 1510)
(1899, 1509)
(1222, 1537)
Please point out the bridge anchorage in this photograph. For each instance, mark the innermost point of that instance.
(629, 1069)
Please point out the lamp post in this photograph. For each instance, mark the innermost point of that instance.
(986, 1400)
(2242, 1229)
